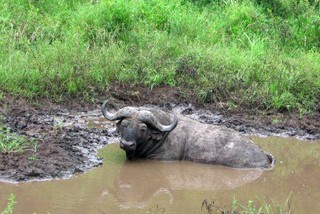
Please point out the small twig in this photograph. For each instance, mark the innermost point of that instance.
(101, 211)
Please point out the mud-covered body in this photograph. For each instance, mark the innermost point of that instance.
(204, 143)
(181, 138)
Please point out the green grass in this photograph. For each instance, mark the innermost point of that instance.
(11, 142)
(11, 202)
(260, 207)
(247, 53)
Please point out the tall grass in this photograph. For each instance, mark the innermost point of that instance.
(255, 53)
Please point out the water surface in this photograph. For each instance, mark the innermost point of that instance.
(140, 186)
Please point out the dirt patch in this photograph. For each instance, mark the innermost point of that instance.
(65, 143)
(69, 135)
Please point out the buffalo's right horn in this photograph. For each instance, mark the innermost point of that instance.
(148, 118)
(121, 114)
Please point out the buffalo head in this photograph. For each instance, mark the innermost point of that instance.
(140, 127)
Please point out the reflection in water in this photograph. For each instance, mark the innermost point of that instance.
(178, 187)
(139, 181)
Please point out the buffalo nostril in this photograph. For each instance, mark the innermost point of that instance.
(127, 145)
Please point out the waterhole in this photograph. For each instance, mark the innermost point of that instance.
(119, 186)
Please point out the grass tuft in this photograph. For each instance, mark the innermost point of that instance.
(250, 208)
(11, 142)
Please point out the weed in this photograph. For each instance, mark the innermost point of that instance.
(156, 210)
(11, 142)
(275, 121)
(250, 208)
(32, 158)
(10, 205)
(58, 124)
(208, 206)
(34, 149)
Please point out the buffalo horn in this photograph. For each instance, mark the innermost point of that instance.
(148, 118)
(120, 114)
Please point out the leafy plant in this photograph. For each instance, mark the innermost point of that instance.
(11, 142)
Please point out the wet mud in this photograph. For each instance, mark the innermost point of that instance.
(68, 137)
(65, 144)
(250, 126)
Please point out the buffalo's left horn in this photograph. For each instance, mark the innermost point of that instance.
(148, 118)
(120, 114)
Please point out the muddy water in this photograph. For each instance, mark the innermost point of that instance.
(176, 187)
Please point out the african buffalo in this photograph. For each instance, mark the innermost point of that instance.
(154, 134)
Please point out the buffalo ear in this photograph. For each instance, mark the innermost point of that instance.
(118, 125)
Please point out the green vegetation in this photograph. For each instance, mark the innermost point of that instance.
(34, 149)
(261, 53)
(249, 208)
(11, 142)
(10, 205)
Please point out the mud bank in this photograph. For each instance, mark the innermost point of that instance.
(68, 137)
(67, 143)
(250, 125)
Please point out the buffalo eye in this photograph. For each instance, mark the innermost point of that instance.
(124, 123)
(143, 128)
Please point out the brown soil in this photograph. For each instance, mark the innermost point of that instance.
(63, 151)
